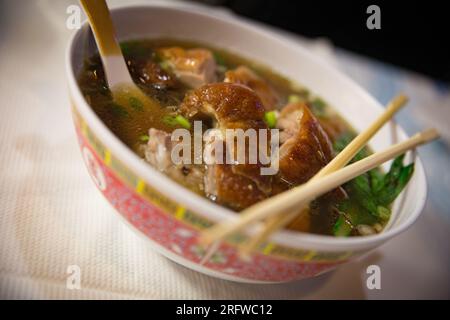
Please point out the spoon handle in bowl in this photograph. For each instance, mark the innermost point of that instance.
(102, 26)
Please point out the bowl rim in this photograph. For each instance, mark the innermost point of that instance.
(198, 204)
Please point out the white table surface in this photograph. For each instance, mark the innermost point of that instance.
(51, 215)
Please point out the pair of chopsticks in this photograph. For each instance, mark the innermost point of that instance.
(341, 160)
(283, 208)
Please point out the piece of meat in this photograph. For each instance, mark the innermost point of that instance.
(151, 73)
(245, 76)
(235, 191)
(158, 153)
(302, 222)
(332, 127)
(193, 67)
(221, 184)
(305, 147)
(232, 106)
(158, 149)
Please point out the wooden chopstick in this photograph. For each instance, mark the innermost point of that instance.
(315, 188)
(361, 140)
(342, 159)
(280, 220)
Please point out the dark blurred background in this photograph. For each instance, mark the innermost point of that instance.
(414, 34)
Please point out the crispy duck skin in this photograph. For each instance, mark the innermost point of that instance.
(306, 148)
(232, 106)
(231, 189)
(194, 67)
(244, 76)
(152, 73)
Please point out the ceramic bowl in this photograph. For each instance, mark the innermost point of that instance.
(172, 217)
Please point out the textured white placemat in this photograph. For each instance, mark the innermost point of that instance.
(52, 216)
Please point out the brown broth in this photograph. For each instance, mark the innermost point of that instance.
(130, 129)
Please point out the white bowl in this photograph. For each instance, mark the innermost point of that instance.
(172, 217)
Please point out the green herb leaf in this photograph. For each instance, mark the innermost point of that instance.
(343, 140)
(394, 182)
(144, 138)
(182, 121)
(178, 120)
(270, 118)
(376, 179)
(165, 65)
(372, 192)
(318, 107)
(117, 110)
(134, 49)
(294, 98)
(219, 59)
(383, 213)
(356, 213)
(136, 104)
(363, 192)
(169, 120)
(342, 227)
